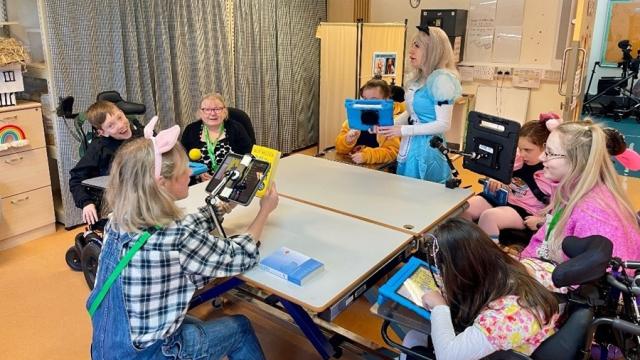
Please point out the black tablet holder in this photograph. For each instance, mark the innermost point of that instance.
(490, 148)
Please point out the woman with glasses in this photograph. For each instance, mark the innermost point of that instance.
(589, 199)
(488, 300)
(529, 191)
(216, 133)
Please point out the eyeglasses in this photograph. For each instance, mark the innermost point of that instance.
(550, 156)
(212, 110)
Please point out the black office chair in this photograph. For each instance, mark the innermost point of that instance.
(243, 119)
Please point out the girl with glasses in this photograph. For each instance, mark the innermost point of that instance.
(589, 199)
(489, 301)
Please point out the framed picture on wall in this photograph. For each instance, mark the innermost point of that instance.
(384, 63)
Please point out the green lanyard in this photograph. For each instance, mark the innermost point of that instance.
(553, 223)
(211, 146)
(116, 272)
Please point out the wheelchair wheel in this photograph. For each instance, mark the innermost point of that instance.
(89, 259)
(73, 259)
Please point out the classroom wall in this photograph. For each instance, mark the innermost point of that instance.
(545, 98)
(340, 10)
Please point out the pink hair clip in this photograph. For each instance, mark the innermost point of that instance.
(163, 142)
(550, 119)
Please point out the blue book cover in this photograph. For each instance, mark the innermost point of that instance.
(407, 286)
(291, 265)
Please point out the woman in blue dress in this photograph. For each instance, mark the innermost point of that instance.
(431, 90)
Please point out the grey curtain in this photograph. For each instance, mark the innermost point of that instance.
(277, 67)
(166, 54)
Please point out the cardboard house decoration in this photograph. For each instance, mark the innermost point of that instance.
(12, 59)
(10, 83)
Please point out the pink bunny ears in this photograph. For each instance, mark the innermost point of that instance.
(163, 142)
(550, 119)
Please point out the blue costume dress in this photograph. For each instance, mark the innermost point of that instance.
(416, 158)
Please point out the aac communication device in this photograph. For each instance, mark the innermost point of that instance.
(363, 115)
(243, 176)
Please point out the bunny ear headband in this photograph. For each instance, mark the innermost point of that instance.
(550, 119)
(163, 142)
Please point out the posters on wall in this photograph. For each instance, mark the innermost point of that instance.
(384, 63)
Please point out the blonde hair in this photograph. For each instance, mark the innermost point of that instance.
(438, 54)
(133, 194)
(213, 96)
(585, 145)
(98, 111)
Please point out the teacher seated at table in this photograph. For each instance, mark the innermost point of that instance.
(217, 132)
(364, 147)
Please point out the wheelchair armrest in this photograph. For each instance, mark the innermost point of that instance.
(398, 314)
(395, 345)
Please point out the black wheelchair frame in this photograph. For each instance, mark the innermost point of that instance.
(84, 253)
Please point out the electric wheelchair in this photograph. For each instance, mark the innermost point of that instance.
(83, 254)
(601, 308)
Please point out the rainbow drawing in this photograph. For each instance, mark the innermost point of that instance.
(12, 136)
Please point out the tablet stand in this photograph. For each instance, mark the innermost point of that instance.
(490, 148)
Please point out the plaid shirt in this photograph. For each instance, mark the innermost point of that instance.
(163, 275)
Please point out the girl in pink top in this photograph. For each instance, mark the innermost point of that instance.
(589, 199)
(529, 190)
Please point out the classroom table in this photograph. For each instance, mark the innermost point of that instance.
(345, 245)
(360, 223)
(99, 183)
(402, 203)
(357, 245)
(331, 154)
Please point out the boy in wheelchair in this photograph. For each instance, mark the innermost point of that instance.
(113, 128)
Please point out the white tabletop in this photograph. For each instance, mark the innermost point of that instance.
(376, 196)
(99, 182)
(342, 243)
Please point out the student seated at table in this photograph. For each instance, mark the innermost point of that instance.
(589, 199)
(113, 128)
(529, 191)
(144, 312)
(215, 134)
(489, 301)
(366, 147)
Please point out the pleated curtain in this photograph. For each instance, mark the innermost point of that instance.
(261, 55)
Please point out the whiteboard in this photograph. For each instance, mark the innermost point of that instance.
(508, 103)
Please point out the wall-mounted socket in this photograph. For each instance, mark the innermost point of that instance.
(504, 71)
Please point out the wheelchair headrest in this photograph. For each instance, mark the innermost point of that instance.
(397, 93)
(128, 108)
(588, 260)
(65, 107)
